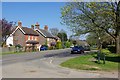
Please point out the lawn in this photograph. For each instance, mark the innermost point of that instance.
(6, 53)
(89, 62)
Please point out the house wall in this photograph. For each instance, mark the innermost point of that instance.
(42, 40)
(31, 37)
(50, 40)
(9, 40)
(19, 38)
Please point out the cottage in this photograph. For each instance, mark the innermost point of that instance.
(30, 36)
(23, 36)
(45, 37)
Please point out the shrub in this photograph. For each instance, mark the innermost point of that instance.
(59, 45)
(105, 51)
(18, 45)
(51, 47)
(53, 43)
(112, 48)
(67, 44)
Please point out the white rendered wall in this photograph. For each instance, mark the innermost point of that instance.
(9, 40)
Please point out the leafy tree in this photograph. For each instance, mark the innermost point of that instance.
(92, 39)
(62, 36)
(105, 39)
(54, 31)
(0, 32)
(85, 17)
(6, 29)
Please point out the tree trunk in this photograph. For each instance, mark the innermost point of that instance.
(118, 28)
(117, 44)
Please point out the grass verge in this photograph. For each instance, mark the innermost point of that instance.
(7, 53)
(89, 62)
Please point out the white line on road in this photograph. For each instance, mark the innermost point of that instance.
(50, 61)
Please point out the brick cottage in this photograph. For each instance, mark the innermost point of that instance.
(24, 36)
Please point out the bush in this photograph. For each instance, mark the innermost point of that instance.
(105, 51)
(18, 45)
(18, 48)
(67, 44)
(112, 48)
(51, 47)
(59, 45)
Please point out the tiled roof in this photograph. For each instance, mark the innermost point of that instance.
(46, 33)
(29, 31)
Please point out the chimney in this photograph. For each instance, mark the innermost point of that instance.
(37, 25)
(19, 23)
(32, 26)
(46, 28)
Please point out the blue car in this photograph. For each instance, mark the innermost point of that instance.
(77, 49)
(43, 48)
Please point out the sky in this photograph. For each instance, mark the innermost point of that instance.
(45, 13)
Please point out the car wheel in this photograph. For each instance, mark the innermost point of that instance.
(82, 52)
(71, 52)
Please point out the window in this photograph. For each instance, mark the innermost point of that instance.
(28, 37)
(32, 37)
(35, 38)
(48, 39)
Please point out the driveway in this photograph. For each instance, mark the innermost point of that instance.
(46, 65)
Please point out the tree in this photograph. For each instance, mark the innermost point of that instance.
(92, 39)
(54, 31)
(85, 17)
(62, 36)
(6, 29)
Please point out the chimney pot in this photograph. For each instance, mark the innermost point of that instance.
(46, 28)
(37, 25)
(32, 26)
(19, 23)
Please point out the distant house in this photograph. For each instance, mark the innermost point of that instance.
(45, 37)
(82, 43)
(23, 36)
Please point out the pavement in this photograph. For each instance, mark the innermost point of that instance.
(46, 65)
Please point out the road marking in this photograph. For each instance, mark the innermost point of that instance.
(43, 59)
(50, 61)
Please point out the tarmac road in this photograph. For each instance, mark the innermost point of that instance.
(46, 65)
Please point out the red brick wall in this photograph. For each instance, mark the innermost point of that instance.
(18, 38)
(41, 39)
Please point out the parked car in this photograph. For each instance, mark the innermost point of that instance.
(77, 49)
(43, 47)
(71, 46)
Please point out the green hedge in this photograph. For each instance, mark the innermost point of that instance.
(105, 51)
(112, 48)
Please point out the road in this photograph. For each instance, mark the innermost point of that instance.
(46, 65)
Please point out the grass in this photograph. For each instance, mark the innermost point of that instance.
(6, 53)
(89, 62)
